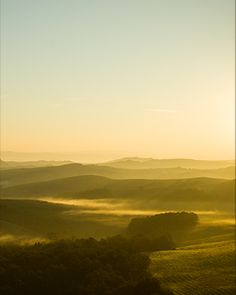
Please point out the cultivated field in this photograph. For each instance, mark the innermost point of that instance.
(201, 269)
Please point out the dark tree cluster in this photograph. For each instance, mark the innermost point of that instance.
(162, 224)
(143, 243)
(111, 266)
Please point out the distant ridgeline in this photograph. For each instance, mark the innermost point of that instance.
(162, 224)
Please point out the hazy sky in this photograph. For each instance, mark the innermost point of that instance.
(118, 78)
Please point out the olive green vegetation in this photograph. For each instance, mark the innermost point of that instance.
(30, 219)
(23, 220)
(75, 201)
(11, 177)
(162, 223)
(89, 267)
(202, 269)
(181, 270)
(184, 194)
(85, 267)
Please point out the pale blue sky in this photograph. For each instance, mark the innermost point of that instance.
(117, 78)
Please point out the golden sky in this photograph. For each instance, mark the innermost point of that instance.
(109, 79)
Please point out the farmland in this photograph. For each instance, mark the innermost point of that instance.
(200, 269)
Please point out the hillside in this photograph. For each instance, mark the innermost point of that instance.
(148, 163)
(203, 269)
(30, 164)
(13, 177)
(196, 193)
(25, 219)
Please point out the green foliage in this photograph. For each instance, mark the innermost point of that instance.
(165, 223)
(144, 243)
(184, 194)
(201, 269)
(26, 219)
(84, 267)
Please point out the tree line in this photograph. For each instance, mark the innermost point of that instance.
(112, 266)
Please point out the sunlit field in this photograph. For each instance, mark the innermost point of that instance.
(202, 269)
(43, 205)
(117, 147)
(83, 218)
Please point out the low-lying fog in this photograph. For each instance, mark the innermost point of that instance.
(130, 208)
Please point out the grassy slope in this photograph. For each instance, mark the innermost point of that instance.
(18, 176)
(185, 194)
(32, 219)
(202, 269)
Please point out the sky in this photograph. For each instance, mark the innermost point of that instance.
(107, 79)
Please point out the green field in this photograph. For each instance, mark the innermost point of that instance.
(201, 269)
(82, 201)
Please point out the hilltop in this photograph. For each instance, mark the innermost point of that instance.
(147, 163)
(11, 177)
(197, 193)
(30, 164)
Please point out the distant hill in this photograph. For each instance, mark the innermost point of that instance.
(30, 164)
(147, 163)
(184, 194)
(11, 177)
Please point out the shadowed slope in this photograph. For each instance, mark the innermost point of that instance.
(27, 175)
(201, 193)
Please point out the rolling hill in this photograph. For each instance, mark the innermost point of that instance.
(30, 164)
(203, 269)
(148, 163)
(195, 193)
(25, 219)
(13, 177)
